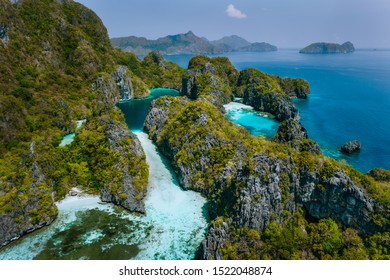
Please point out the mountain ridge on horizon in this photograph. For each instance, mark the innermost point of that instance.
(189, 43)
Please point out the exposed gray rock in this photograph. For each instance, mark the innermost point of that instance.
(158, 114)
(210, 248)
(133, 199)
(293, 133)
(250, 192)
(290, 130)
(277, 104)
(4, 34)
(122, 79)
(113, 89)
(263, 92)
(205, 82)
(351, 147)
(30, 213)
(108, 94)
(337, 197)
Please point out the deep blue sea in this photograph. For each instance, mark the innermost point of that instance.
(350, 98)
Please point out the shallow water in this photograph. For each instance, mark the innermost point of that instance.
(68, 139)
(172, 228)
(136, 110)
(350, 97)
(256, 122)
(178, 217)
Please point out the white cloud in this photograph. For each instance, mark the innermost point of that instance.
(234, 13)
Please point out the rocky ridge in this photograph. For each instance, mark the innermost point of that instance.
(210, 78)
(247, 186)
(189, 43)
(58, 66)
(252, 184)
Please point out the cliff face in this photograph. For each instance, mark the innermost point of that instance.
(31, 206)
(267, 199)
(57, 66)
(324, 48)
(252, 183)
(271, 94)
(210, 78)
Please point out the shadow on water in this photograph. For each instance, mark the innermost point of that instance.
(95, 235)
(136, 110)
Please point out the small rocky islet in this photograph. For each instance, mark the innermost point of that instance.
(276, 198)
(328, 48)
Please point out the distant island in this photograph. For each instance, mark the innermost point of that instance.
(189, 43)
(324, 48)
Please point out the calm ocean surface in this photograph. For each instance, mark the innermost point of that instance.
(350, 98)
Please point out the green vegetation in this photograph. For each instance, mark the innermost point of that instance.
(264, 83)
(297, 238)
(219, 159)
(211, 79)
(56, 51)
(294, 87)
(224, 68)
(152, 72)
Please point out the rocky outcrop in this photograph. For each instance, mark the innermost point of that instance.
(217, 236)
(294, 87)
(264, 93)
(293, 133)
(155, 58)
(212, 79)
(324, 48)
(158, 115)
(128, 195)
(113, 89)
(275, 103)
(351, 147)
(30, 206)
(4, 34)
(122, 78)
(205, 83)
(338, 196)
(55, 51)
(248, 189)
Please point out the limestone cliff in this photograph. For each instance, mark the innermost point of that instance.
(252, 183)
(210, 78)
(57, 65)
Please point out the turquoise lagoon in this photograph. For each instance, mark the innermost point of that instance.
(136, 110)
(172, 228)
(68, 139)
(350, 98)
(257, 123)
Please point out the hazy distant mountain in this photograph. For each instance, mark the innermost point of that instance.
(233, 42)
(323, 48)
(188, 43)
(258, 47)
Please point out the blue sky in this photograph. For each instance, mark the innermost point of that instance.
(284, 23)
